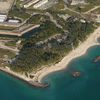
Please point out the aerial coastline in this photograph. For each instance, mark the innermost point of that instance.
(80, 50)
(43, 37)
(50, 49)
(23, 78)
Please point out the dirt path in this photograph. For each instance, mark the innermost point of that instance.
(96, 7)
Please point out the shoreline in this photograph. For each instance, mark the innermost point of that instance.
(79, 51)
(23, 78)
(39, 75)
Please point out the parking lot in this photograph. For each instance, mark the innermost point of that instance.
(5, 5)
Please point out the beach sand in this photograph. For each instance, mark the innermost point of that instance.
(80, 50)
(21, 77)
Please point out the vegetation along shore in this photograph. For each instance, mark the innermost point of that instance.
(37, 40)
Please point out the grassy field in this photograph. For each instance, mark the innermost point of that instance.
(4, 56)
(19, 13)
(94, 2)
(7, 28)
(97, 11)
(81, 8)
(11, 43)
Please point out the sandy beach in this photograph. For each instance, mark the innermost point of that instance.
(80, 50)
(27, 80)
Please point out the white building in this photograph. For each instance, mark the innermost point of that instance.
(76, 2)
(31, 3)
(97, 18)
(42, 2)
(13, 21)
(3, 18)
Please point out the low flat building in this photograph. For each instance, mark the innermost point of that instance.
(76, 2)
(13, 21)
(3, 18)
(42, 2)
(32, 2)
(97, 19)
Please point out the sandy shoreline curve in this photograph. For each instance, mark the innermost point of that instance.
(39, 75)
(79, 51)
(23, 78)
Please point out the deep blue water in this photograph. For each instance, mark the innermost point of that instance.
(63, 86)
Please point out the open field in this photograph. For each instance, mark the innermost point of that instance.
(5, 5)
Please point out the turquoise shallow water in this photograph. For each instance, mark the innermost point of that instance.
(63, 85)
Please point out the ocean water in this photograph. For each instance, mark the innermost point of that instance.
(63, 86)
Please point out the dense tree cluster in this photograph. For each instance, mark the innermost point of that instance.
(50, 44)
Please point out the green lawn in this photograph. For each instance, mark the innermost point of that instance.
(19, 12)
(11, 43)
(6, 28)
(3, 54)
(97, 11)
(82, 8)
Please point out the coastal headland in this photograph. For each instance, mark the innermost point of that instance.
(80, 50)
(23, 78)
(59, 31)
